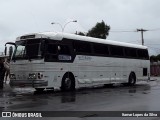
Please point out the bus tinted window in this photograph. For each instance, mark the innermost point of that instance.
(33, 41)
(100, 49)
(131, 52)
(64, 49)
(82, 47)
(52, 49)
(116, 51)
(143, 54)
(32, 50)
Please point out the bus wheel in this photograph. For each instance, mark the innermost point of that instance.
(68, 82)
(39, 89)
(108, 85)
(132, 79)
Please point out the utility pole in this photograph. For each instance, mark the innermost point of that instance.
(142, 30)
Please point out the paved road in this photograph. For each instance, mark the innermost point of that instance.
(141, 97)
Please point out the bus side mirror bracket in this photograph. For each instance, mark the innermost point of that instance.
(42, 45)
(5, 50)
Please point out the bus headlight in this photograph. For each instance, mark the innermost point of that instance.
(32, 76)
(40, 75)
(12, 76)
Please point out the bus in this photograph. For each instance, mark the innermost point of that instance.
(53, 60)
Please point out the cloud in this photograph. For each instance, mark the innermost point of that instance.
(20, 17)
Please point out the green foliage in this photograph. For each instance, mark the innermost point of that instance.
(100, 30)
(155, 58)
(80, 33)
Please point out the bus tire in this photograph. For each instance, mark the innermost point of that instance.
(39, 89)
(68, 82)
(108, 85)
(132, 79)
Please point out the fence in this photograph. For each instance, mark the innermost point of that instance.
(155, 68)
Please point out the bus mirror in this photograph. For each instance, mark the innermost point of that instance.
(10, 51)
(5, 50)
(42, 45)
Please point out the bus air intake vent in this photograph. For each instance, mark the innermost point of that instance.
(27, 37)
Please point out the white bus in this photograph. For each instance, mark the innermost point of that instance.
(64, 61)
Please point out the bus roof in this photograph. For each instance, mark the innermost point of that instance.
(60, 36)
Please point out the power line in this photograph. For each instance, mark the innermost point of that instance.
(138, 30)
(121, 31)
(156, 29)
(152, 44)
(134, 41)
(127, 30)
(142, 30)
(154, 47)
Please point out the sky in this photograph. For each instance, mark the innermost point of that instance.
(19, 17)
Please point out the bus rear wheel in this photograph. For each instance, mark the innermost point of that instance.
(39, 89)
(68, 82)
(132, 79)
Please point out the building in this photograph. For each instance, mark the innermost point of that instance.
(155, 68)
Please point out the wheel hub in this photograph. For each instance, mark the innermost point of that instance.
(67, 83)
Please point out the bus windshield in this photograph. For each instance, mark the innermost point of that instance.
(27, 49)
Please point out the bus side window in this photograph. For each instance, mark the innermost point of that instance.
(64, 50)
(82, 47)
(116, 51)
(51, 52)
(52, 49)
(143, 54)
(64, 53)
(100, 49)
(130, 52)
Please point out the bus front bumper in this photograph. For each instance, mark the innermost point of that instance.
(28, 83)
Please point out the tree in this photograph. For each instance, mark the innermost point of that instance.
(154, 58)
(81, 33)
(100, 30)
(158, 57)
